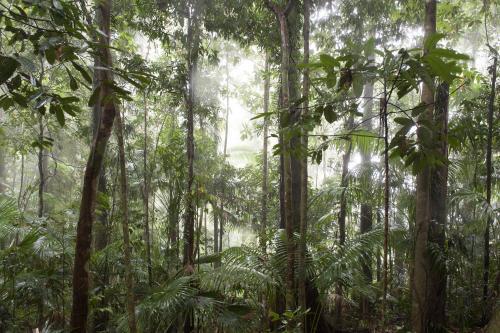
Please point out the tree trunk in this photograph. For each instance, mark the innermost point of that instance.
(147, 239)
(79, 311)
(427, 298)
(224, 152)
(41, 169)
(216, 228)
(3, 180)
(265, 171)
(344, 183)
(302, 292)
(127, 249)
(192, 45)
(489, 172)
(383, 110)
(366, 210)
(101, 232)
(438, 206)
(281, 14)
(21, 185)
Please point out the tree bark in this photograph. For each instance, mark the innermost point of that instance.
(366, 210)
(3, 180)
(193, 46)
(344, 183)
(489, 172)
(101, 232)
(383, 110)
(302, 292)
(147, 239)
(427, 298)
(79, 311)
(222, 218)
(265, 171)
(41, 169)
(281, 15)
(127, 249)
(216, 228)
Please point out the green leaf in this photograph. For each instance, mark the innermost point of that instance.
(331, 79)
(69, 109)
(328, 61)
(8, 67)
(50, 55)
(439, 67)
(60, 115)
(20, 99)
(330, 114)
(82, 71)
(93, 99)
(72, 81)
(448, 53)
(431, 42)
(416, 111)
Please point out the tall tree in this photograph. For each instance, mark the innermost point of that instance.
(41, 166)
(302, 294)
(145, 195)
(489, 173)
(281, 16)
(265, 162)
(366, 209)
(344, 183)
(429, 271)
(127, 249)
(79, 310)
(193, 42)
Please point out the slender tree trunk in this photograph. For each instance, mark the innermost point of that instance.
(216, 228)
(205, 240)
(79, 311)
(265, 176)
(127, 249)
(226, 121)
(427, 299)
(366, 210)
(439, 211)
(281, 15)
(3, 180)
(302, 293)
(21, 184)
(489, 172)
(41, 170)
(383, 107)
(344, 183)
(193, 45)
(265, 171)
(2, 172)
(147, 239)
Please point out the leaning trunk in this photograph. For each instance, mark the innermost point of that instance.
(79, 311)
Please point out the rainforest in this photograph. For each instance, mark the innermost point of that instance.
(233, 166)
